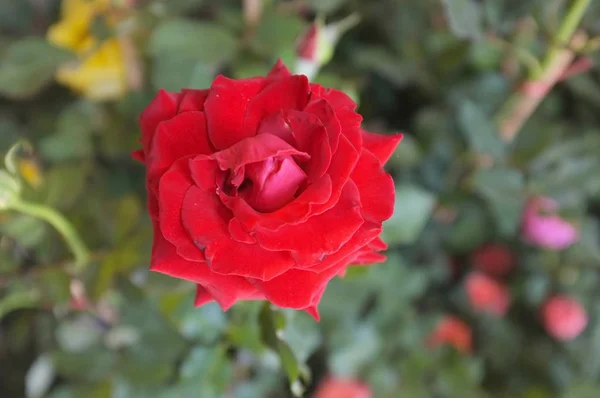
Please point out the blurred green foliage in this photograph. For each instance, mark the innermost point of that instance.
(438, 70)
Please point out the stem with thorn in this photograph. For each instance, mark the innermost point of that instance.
(523, 102)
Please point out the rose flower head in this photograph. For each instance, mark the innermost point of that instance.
(99, 73)
(487, 295)
(452, 331)
(564, 318)
(543, 227)
(263, 188)
(494, 259)
(333, 387)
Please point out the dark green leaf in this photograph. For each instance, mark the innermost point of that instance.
(200, 41)
(479, 131)
(28, 65)
(504, 191)
(411, 212)
(39, 377)
(464, 17)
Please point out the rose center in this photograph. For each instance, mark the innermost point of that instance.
(270, 184)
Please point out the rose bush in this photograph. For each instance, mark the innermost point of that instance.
(263, 188)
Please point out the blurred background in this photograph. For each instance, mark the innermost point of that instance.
(491, 284)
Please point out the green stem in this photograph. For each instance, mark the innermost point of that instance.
(61, 224)
(566, 30)
(522, 103)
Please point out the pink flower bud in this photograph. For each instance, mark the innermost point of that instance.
(487, 295)
(494, 259)
(452, 331)
(564, 318)
(316, 46)
(332, 387)
(543, 227)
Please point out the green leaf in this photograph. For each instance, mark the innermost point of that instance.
(54, 285)
(18, 299)
(471, 228)
(583, 390)
(28, 231)
(503, 189)
(202, 41)
(73, 136)
(275, 33)
(11, 157)
(96, 390)
(39, 377)
(173, 72)
(480, 132)
(151, 361)
(90, 365)
(408, 153)
(412, 210)
(302, 333)
(28, 65)
(180, 6)
(378, 59)
(326, 6)
(288, 361)
(129, 211)
(10, 189)
(270, 324)
(353, 349)
(78, 334)
(207, 365)
(464, 17)
(65, 184)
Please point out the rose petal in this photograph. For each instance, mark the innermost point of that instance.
(342, 164)
(369, 258)
(314, 312)
(204, 217)
(320, 235)
(226, 290)
(277, 125)
(180, 136)
(172, 189)
(376, 188)
(348, 253)
(286, 93)
(228, 257)
(338, 99)
(295, 212)
(325, 113)
(192, 100)
(279, 71)
(226, 108)
(311, 137)
(296, 288)
(350, 123)
(255, 149)
(163, 107)
(239, 233)
(382, 146)
(202, 296)
(274, 183)
(139, 155)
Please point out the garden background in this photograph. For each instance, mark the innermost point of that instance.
(500, 105)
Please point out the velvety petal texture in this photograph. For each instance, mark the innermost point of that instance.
(263, 188)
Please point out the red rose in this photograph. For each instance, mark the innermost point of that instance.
(452, 331)
(332, 387)
(263, 188)
(495, 259)
(564, 318)
(487, 295)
